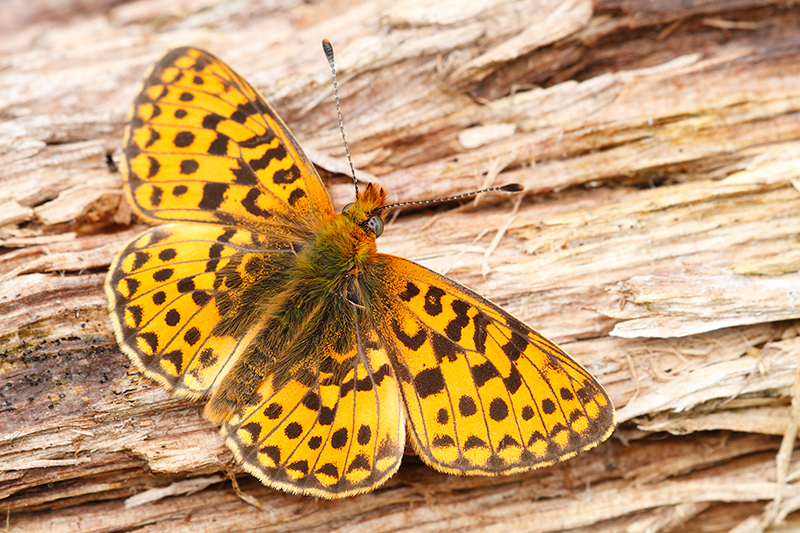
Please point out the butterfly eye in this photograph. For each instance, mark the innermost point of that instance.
(346, 208)
(375, 224)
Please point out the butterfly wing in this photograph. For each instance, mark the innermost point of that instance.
(333, 432)
(177, 299)
(203, 145)
(484, 393)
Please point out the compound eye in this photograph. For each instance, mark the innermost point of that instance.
(375, 224)
(346, 208)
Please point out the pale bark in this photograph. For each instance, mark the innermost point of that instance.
(658, 242)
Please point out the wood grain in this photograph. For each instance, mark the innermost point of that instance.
(659, 144)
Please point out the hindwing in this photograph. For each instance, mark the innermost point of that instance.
(334, 431)
(178, 297)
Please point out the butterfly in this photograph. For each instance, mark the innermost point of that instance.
(318, 355)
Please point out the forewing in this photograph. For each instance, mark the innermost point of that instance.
(331, 433)
(172, 288)
(203, 145)
(484, 393)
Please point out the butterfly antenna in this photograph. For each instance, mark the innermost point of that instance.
(510, 187)
(328, 48)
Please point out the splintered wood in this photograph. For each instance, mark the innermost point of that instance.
(658, 241)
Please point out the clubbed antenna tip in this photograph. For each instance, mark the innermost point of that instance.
(328, 48)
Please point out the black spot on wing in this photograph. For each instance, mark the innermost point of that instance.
(360, 462)
(254, 429)
(299, 466)
(285, 177)
(412, 343)
(548, 406)
(163, 275)
(507, 442)
(220, 145)
(212, 120)
(273, 154)
(200, 297)
(139, 260)
(381, 373)
(312, 401)
(250, 203)
(189, 166)
(244, 175)
(213, 196)
(514, 380)
(191, 336)
(243, 111)
(172, 318)
(474, 442)
(258, 140)
(156, 196)
(484, 372)
(154, 137)
(167, 254)
(480, 321)
(410, 291)
(515, 346)
(135, 313)
(273, 411)
(498, 409)
(176, 358)
(339, 438)
(186, 285)
(326, 416)
(443, 441)
(209, 358)
(184, 139)
(153, 168)
(429, 382)
(273, 452)
(444, 348)
(132, 285)
(433, 301)
(329, 469)
(293, 430)
(295, 196)
(364, 434)
(455, 326)
(466, 406)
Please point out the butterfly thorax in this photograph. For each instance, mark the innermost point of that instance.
(346, 245)
(329, 276)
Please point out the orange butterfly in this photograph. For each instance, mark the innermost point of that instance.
(315, 351)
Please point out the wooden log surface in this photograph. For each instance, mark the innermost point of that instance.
(658, 242)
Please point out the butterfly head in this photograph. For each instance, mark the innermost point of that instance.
(365, 211)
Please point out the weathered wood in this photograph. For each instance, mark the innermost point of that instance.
(658, 242)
